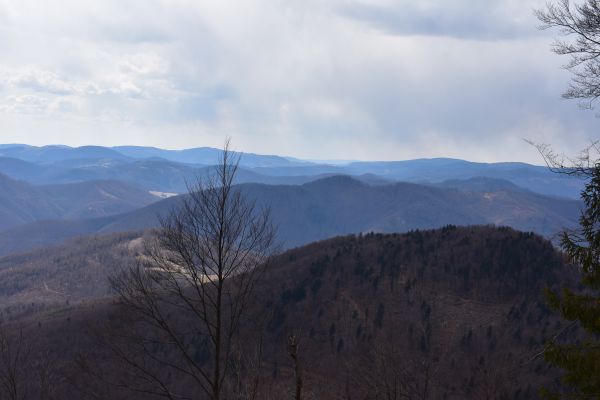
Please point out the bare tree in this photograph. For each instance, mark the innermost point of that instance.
(387, 374)
(15, 355)
(579, 23)
(581, 165)
(25, 372)
(582, 22)
(191, 290)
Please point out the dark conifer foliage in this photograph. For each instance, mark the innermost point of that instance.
(581, 359)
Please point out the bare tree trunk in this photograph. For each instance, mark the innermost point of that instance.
(217, 339)
(293, 344)
(15, 365)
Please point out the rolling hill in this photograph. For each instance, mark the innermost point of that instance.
(339, 205)
(22, 203)
(536, 178)
(151, 174)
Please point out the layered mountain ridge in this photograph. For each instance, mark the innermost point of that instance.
(339, 205)
(169, 170)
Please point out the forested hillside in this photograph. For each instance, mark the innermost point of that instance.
(76, 271)
(452, 313)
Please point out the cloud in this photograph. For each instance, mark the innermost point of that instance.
(317, 79)
(25, 104)
(40, 81)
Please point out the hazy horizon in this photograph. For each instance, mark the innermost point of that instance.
(332, 161)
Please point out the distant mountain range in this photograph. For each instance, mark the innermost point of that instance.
(198, 156)
(340, 205)
(169, 170)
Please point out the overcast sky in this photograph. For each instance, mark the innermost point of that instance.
(317, 79)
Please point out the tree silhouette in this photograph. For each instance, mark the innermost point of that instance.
(192, 289)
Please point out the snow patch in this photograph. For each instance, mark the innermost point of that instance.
(162, 195)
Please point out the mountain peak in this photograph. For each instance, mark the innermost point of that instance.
(336, 181)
